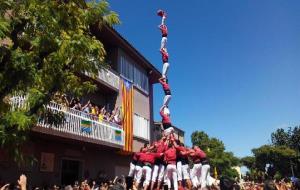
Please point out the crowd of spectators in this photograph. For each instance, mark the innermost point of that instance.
(23, 183)
(122, 183)
(94, 111)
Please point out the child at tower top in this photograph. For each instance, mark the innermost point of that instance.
(163, 15)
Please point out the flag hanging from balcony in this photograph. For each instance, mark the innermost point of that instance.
(86, 126)
(127, 106)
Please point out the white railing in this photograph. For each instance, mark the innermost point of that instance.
(73, 123)
(141, 127)
(109, 77)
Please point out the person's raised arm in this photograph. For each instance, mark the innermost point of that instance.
(86, 105)
(22, 182)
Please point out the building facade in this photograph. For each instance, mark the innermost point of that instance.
(65, 153)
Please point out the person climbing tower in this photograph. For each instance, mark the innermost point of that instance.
(167, 90)
(165, 60)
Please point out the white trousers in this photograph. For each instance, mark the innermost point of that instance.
(145, 171)
(131, 170)
(183, 171)
(137, 172)
(168, 131)
(165, 69)
(172, 176)
(179, 171)
(154, 173)
(204, 175)
(163, 42)
(161, 173)
(195, 175)
(167, 99)
(163, 20)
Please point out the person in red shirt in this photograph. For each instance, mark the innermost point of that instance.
(183, 171)
(197, 156)
(166, 121)
(159, 168)
(164, 55)
(165, 60)
(148, 160)
(167, 90)
(164, 34)
(170, 157)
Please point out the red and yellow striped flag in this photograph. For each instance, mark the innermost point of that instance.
(127, 106)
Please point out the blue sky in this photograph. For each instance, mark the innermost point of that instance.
(235, 64)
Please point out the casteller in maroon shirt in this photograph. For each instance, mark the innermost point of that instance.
(165, 118)
(149, 157)
(164, 55)
(164, 30)
(170, 155)
(198, 156)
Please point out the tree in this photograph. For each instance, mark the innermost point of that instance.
(248, 161)
(48, 44)
(277, 156)
(215, 150)
(280, 137)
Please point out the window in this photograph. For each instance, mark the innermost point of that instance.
(134, 73)
(141, 127)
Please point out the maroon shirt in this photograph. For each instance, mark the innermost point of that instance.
(149, 157)
(170, 155)
(165, 85)
(160, 147)
(164, 30)
(165, 118)
(165, 55)
(199, 155)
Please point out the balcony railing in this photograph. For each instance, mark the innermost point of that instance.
(109, 77)
(78, 123)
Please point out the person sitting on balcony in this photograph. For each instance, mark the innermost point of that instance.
(166, 120)
(167, 90)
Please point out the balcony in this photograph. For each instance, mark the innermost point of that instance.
(109, 78)
(77, 125)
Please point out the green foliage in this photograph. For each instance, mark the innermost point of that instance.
(248, 161)
(278, 156)
(215, 150)
(50, 46)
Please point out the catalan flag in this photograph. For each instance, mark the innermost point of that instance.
(127, 106)
(86, 126)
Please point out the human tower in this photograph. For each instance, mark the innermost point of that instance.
(167, 161)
